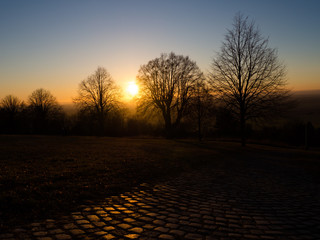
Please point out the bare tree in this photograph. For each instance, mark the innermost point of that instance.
(11, 107)
(201, 107)
(11, 104)
(42, 101)
(44, 107)
(167, 84)
(98, 94)
(246, 73)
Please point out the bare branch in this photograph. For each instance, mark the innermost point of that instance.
(246, 73)
(99, 94)
(167, 84)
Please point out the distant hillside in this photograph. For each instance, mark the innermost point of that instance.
(307, 93)
(308, 106)
(69, 108)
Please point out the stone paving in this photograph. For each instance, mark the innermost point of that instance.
(228, 200)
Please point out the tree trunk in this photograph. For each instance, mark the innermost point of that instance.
(102, 124)
(199, 128)
(306, 136)
(168, 124)
(243, 129)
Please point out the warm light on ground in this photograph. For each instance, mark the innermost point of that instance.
(132, 89)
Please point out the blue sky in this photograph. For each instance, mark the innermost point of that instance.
(56, 44)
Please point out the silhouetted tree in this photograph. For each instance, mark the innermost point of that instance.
(44, 107)
(201, 107)
(98, 94)
(247, 75)
(225, 123)
(11, 106)
(167, 84)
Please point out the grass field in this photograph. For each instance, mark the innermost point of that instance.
(45, 176)
(42, 176)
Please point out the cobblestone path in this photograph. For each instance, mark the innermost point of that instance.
(226, 200)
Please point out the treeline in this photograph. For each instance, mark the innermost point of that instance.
(243, 95)
(41, 114)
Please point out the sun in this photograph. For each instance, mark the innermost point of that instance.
(132, 89)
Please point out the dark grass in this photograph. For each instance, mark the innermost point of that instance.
(43, 177)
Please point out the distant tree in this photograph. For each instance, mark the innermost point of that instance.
(99, 95)
(44, 107)
(42, 101)
(11, 106)
(167, 85)
(247, 75)
(201, 107)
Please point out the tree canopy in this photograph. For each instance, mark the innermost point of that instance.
(167, 83)
(246, 74)
(98, 94)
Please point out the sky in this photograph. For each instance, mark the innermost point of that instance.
(57, 44)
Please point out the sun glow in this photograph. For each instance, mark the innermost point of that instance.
(132, 89)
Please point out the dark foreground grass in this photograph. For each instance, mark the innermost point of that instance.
(42, 177)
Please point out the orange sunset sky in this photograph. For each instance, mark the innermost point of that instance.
(56, 44)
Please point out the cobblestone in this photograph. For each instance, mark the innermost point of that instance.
(233, 200)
